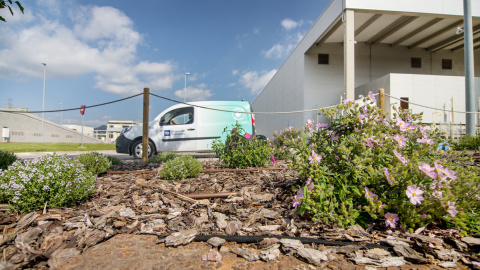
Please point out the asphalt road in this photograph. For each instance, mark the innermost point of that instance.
(113, 153)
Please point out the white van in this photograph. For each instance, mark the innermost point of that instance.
(187, 127)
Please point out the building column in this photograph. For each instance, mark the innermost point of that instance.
(349, 54)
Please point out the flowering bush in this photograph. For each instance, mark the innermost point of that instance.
(365, 168)
(53, 180)
(181, 167)
(163, 157)
(94, 162)
(283, 142)
(6, 159)
(241, 150)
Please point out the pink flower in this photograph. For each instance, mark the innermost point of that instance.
(401, 123)
(309, 124)
(402, 159)
(437, 194)
(234, 130)
(370, 195)
(400, 139)
(273, 159)
(309, 184)
(414, 193)
(321, 125)
(452, 209)
(448, 173)
(346, 101)
(422, 130)
(391, 220)
(428, 170)
(425, 140)
(387, 174)
(297, 200)
(371, 96)
(336, 157)
(314, 158)
(334, 137)
(248, 135)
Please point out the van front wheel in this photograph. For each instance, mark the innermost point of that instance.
(138, 149)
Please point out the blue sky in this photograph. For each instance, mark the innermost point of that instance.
(104, 50)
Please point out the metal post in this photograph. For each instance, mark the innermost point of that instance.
(349, 53)
(452, 123)
(146, 104)
(469, 70)
(43, 102)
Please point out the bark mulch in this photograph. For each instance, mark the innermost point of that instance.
(238, 220)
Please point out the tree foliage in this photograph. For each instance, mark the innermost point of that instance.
(7, 4)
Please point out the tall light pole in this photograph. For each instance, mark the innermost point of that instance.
(61, 116)
(185, 89)
(43, 102)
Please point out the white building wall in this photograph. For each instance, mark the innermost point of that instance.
(301, 83)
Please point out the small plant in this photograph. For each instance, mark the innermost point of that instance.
(283, 142)
(467, 142)
(114, 160)
(56, 181)
(94, 162)
(241, 150)
(163, 157)
(6, 159)
(181, 167)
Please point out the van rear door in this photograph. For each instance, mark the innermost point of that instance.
(178, 130)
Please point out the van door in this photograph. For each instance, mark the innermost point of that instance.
(178, 130)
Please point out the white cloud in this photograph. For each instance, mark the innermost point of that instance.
(290, 24)
(101, 41)
(255, 81)
(284, 48)
(197, 93)
(235, 72)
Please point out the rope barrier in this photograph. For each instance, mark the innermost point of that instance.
(73, 109)
(214, 109)
(428, 107)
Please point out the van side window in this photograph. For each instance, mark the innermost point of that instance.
(180, 116)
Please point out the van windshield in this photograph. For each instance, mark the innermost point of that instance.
(180, 116)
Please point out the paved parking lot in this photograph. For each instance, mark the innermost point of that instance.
(113, 153)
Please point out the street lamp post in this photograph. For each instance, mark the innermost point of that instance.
(43, 102)
(185, 89)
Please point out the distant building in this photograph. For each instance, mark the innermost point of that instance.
(17, 125)
(114, 128)
(88, 131)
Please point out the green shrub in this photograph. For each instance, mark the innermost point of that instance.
(163, 157)
(364, 168)
(6, 159)
(284, 141)
(242, 151)
(94, 162)
(114, 160)
(467, 142)
(181, 167)
(55, 180)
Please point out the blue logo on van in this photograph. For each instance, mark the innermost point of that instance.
(166, 133)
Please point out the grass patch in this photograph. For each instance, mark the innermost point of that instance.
(54, 147)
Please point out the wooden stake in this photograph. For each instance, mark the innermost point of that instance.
(382, 99)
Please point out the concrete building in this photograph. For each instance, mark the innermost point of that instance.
(88, 131)
(26, 127)
(114, 128)
(412, 49)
